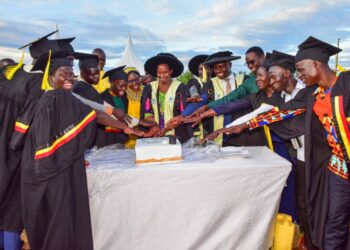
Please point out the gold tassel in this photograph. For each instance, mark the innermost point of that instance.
(204, 74)
(11, 70)
(268, 137)
(45, 85)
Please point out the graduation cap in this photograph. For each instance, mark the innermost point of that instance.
(194, 63)
(220, 57)
(64, 44)
(164, 58)
(49, 62)
(315, 49)
(267, 61)
(116, 74)
(41, 45)
(86, 61)
(283, 60)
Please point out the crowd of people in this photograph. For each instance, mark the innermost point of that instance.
(50, 117)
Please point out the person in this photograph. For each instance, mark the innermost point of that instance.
(20, 91)
(327, 179)
(266, 94)
(133, 92)
(6, 62)
(328, 105)
(53, 184)
(116, 96)
(214, 89)
(103, 83)
(165, 98)
(89, 76)
(283, 82)
(254, 58)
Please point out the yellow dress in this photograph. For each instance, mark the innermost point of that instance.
(103, 84)
(134, 109)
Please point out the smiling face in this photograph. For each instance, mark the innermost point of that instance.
(278, 78)
(253, 61)
(91, 75)
(134, 81)
(222, 70)
(308, 71)
(164, 73)
(118, 87)
(262, 79)
(62, 78)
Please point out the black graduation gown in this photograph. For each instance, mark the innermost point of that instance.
(255, 137)
(114, 137)
(317, 155)
(53, 184)
(87, 91)
(18, 98)
(184, 132)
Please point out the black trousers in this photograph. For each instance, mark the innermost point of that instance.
(300, 194)
(338, 219)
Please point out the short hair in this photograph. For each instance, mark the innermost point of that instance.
(257, 50)
(98, 50)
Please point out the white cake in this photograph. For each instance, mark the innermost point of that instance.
(159, 149)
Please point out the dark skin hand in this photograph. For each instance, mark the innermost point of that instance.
(121, 115)
(227, 131)
(104, 119)
(197, 119)
(194, 99)
(174, 122)
(199, 111)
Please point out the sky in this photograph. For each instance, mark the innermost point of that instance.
(183, 28)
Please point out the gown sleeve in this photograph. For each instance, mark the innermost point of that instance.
(63, 128)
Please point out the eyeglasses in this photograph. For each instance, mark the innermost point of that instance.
(251, 62)
(135, 81)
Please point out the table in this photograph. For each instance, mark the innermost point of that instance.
(222, 203)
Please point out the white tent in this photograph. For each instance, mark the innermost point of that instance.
(129, 57)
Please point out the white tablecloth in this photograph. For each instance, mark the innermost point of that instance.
(229, 203)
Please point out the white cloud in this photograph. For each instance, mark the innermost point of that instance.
(159, 7)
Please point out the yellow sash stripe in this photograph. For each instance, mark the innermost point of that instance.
(68, 134)
(341, 125)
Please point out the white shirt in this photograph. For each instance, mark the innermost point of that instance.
(232, 82)
(287, 97)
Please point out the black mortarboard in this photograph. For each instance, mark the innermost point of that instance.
(267, 61)
(315, 49)
(164, 58)
(64, 44)
(194, 63)
(283, 60)
(58, 59)
(41, 45)
(116, 74)
(220, 57)
(86, 61)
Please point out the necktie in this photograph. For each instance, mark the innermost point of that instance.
(228, 86)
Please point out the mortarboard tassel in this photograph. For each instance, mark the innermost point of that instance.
(45, 85)
(204, 74)
(11, 70)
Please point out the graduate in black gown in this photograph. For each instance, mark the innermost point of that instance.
(116, 97)
(19, 94)
(54, 190)
(89, 76)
